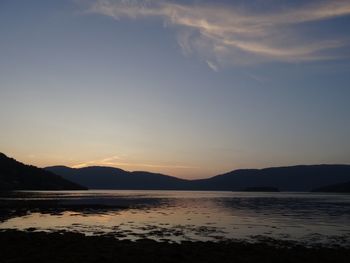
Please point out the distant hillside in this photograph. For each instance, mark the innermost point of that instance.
(334, 188)
(18, 176)
(261, 189)
(97, 177)
(293, 178)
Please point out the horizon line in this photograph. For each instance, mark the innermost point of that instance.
(234, 170)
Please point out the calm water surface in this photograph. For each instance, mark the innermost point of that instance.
(186, 215)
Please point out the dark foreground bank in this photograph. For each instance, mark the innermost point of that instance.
(37, 247)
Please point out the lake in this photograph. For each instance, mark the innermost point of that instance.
(177, 216)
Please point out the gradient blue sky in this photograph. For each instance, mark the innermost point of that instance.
(187, 88)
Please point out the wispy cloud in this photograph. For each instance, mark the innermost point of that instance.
(223, 35)
(109, 161)
(212, 66)
(117, 161)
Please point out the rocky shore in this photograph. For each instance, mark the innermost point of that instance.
(19, 246)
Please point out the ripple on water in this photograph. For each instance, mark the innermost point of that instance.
(190, 216)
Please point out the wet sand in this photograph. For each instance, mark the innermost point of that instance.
(17, 246)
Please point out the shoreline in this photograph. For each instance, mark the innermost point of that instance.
(166, 230)
(63, 246)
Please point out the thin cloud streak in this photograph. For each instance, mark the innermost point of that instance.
(212, 66)
(116, 161)
(227, 35)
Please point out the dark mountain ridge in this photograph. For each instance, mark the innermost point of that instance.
(292, 178)
(289, 178)
(18, 176)
(334, 188)
(99, 177)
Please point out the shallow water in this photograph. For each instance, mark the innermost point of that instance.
(193, 215)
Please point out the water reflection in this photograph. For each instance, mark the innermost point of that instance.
(177, 216)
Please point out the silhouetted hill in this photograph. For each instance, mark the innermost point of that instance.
(18, 176)
(261, 189)
(98, 177)
(334, 188)
(293, 178)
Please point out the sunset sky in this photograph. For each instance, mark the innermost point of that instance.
(186, 88)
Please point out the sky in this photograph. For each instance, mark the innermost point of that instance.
(186, 88)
